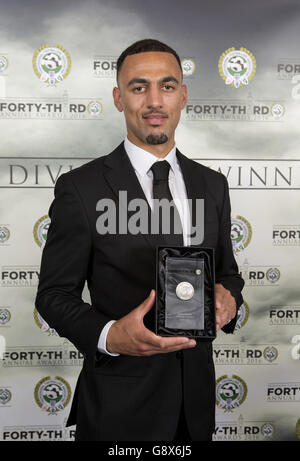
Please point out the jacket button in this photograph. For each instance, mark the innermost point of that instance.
(178, 355)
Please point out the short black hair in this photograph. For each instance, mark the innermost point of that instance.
(143, 46)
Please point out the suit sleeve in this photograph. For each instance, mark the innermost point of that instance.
(227, 272)
(64, 269)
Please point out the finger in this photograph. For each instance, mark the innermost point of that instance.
(218, 304)
(147, 304)
(163, 343)
(222, 320)
(190, 344)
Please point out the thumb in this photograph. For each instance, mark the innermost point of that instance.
(147, 304)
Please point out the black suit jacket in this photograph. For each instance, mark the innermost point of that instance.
(125, 397)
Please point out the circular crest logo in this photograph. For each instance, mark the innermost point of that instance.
(51, 64)
(5, 316)
(4, 234)
(267, 430)
(243, 315)
(3, 63)
(270, 353)
(5, 396)
(273, 274)
(52, 395)
(40, 230)
(230, 392)
(237, 67)
(188, 67)
(277, 110)
(241, 233)
(94, 108)
(42, 324)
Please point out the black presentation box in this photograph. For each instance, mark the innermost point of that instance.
(185, 292)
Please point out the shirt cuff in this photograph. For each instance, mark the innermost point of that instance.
(102, 339)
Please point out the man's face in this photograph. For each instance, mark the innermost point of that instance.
(152, 96)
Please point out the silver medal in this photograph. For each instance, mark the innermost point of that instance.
(184, 291)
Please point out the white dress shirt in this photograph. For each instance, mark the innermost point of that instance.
(142, 162)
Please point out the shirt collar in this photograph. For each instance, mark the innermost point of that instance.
(142, 160)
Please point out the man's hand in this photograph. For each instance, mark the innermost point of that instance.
(129, 336)
(225, 306)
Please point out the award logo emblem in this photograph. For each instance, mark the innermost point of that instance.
(5, 396)
(237, 67)
(270, 353)
(241, 233)
(277, 111)
(267, 430)
(188, 67)
(273, 274)
(5, 316)
(51, 64)
(42, 324)
(3, 63)
(4, 234)
(243, 315)
(40, 230)
(94, 108)
(52, 395)
(230, 392)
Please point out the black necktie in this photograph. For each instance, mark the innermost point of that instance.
(161, 191)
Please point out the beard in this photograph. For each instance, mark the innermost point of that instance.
(154, 139)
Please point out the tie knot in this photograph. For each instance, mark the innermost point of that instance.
(161, 170)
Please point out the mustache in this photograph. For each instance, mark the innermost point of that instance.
(156, 112)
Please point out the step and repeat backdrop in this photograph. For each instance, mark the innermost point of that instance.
(241, 64)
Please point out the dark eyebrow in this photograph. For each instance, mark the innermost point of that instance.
(168, 79)
(137, 80)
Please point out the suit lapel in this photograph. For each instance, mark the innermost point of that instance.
(121, 176)
(194, 183)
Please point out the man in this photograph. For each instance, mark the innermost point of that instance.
(135, 385)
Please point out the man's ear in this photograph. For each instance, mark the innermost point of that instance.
(183, 96)
(117, 99)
